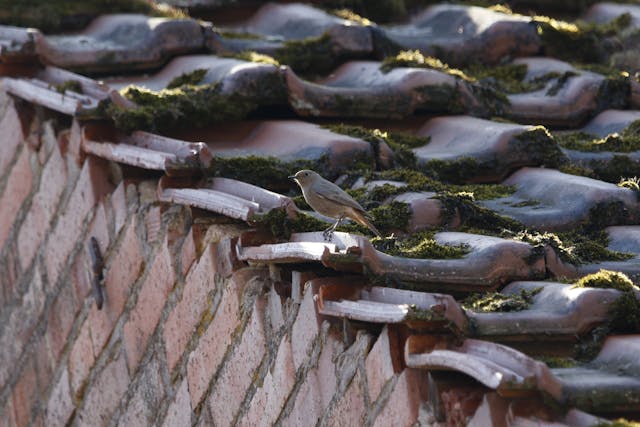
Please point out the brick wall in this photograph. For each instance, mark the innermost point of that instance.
(187, 334)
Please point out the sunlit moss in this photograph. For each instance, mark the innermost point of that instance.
(628, 140)
(180, 107)
(420, 245)
(67, 15)
(251, 56)
(351, 16)
(191, 78)
(498, 302)
(72, 85)
(607, 279)
(415, 59)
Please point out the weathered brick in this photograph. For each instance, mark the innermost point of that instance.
(124, 267)
(117, 202)
(319, 386)
(379, 365)
(99, 228)
(179, 412)
(43, 207)
(81, 357)
(403, 404)
(186, 315)
(60, 319)
(153, 223)
(12, 136)
(307, 409)
(44, 363)
(237, 373)
(92, 184)
(146, 313)
(305, 328)
(349, 410)
(103, 395)
(142, 406)
(269, 399)
(17, 189)
(80, 275)
(8, 418)
(25, 393)
(20, 325)
(205, 359)
(275, 312)
(187, 253)
(60, 404)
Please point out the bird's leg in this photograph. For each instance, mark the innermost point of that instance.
(328, 233)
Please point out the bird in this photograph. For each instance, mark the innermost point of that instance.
(328, 199)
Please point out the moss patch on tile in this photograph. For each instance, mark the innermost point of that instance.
(267, 172)
(620, 422)
(498, 302)
(607, 279)
(252, 56)
(55, 16)
(72, 85)
(311, 56)
(420, 181)
(190, 78)
(474, 218)
(580, 41)
(575, 247)
(400, 143)
(182, 107)
(558, 362)
(628, 140)
(419, 245)
(350, 15)
(415, 59)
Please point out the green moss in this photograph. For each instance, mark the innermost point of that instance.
(242, 36)
(525, 203)
(559, 362)
(471, 215)
(625, 313)
(415, 59)
(497, 302)
(419, 245)
(313, 55)
(400, 143)
(630, 183)
(620, 422)
(419, 181)
(281, 226)
(582, 42)
(607, 279)
(459, 171)
(628, 140)
(252, 56)
(392, 216)
(191, 78)
(183, 107)
(267, 172)
(351, 16)
(575, 247)
(72, 85)
(67, 15)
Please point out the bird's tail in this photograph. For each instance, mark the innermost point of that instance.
(361, 218)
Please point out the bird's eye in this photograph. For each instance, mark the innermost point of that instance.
(306, 174)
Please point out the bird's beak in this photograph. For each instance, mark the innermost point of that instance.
(292, 177)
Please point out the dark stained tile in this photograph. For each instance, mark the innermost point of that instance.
(463, 34)
(610, 383)
(551, 200)
(361, 89)
(106, 44)
(496, 148)
(568, 99)
(235, 199)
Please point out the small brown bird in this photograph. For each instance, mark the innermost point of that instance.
(328, 199)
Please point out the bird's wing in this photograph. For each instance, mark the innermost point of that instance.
(338, 195)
